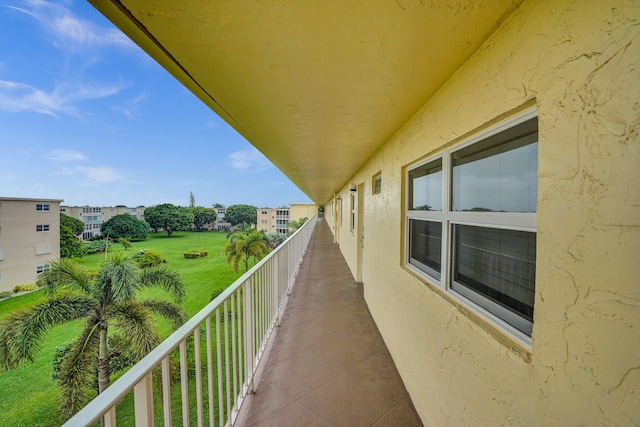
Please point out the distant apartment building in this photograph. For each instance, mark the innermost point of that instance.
(220, 223)
(277, 220)
(273, 220)
(29, 239)
(94, 216)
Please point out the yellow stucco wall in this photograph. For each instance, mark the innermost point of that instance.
(303, 210)
(579, 63)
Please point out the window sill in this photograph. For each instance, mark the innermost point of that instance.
(499, 333)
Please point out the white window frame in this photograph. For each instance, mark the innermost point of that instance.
(448, 218)
(43, 207)
(42, 268)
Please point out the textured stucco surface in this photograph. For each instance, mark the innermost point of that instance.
(579, 63)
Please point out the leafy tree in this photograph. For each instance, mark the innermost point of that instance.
(107, 301)
(70, 245)
(243, 246)
(275, 239)
(237, 214)
(125, 226)
(202, 216)
(169, 217)
(76, 226)
(294, 225)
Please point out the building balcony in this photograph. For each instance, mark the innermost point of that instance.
(299, 348)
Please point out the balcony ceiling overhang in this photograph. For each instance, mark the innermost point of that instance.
(316, 85)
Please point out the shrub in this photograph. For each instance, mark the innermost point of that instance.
(22, 288)
(5, 294)
(150, 259)
(195, 254)
(96, 246)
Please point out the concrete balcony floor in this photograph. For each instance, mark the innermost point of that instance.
(327, 365)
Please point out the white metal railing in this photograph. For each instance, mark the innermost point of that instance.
(236, 325)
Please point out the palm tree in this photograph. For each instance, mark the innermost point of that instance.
(105, 299)
(242, 246)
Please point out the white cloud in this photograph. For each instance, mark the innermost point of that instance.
(130, 108)
(17, 97)
(249, 159)
(68, 31)
(99, 174)
(64, 155)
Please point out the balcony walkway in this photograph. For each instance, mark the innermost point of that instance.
(327, 363)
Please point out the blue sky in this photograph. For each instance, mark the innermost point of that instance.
(87, 117)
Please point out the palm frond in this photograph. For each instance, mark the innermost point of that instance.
(258, 249)
(170, 311)
(234, 250)
(22, 331)
(136, 323)
(66, 273)
(78, 369)
(118, 279)
(163, 278)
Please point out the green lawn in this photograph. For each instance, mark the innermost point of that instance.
(28, 395)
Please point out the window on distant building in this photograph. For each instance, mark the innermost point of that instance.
(41, 228)
(471, 221)
(42, 268)
(377, 183)
(42, 207)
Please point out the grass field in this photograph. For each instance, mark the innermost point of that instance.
(28, 395)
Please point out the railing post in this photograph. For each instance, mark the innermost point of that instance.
(248, 333)
(143, 398)
(109, 419)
